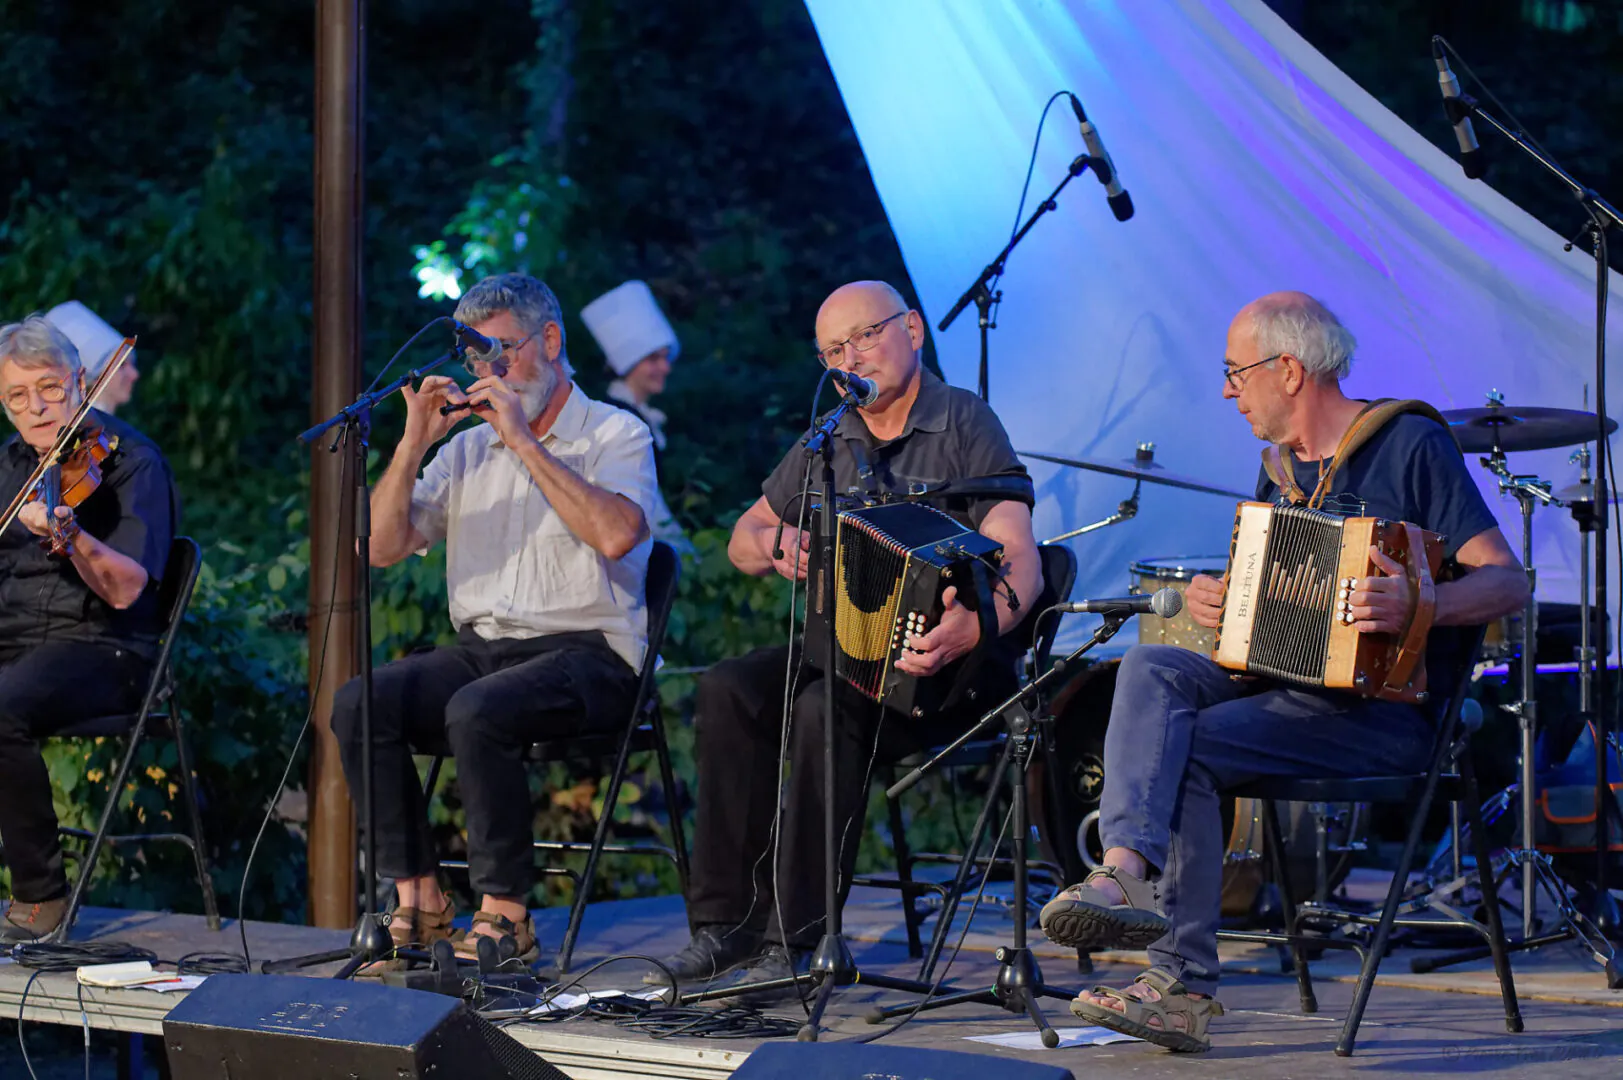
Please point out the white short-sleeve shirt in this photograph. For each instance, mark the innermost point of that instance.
(513, 569)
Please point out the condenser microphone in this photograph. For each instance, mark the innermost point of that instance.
(862, 391)
(1121, 203)
(1459, 114)
(1163, 602)
(477, 346)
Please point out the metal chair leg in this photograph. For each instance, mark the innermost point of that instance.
(1273, 843)
(88, 864)
(904, 874)
(673, 796)
(432, 781)
(188, 784)
(1490, 897)
(588, 876)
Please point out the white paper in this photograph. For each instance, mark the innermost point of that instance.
(565, 1002)
(1068, 1036)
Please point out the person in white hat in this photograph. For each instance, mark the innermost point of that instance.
(96, 342)
(639, 345)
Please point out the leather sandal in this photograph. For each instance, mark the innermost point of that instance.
(413, 928)
(1084, 918)
(1134, 1019)
(513, 940)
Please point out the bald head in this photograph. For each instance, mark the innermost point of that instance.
(1295, 324)
(859, 298)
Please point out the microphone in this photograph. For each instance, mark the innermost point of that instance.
(1121, 203)
(479, 347)
(1459, 114)
(1163, 602)
(862, 391)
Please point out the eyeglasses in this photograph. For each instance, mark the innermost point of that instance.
(1239, 384)
(861, 341)
(51, 393)
(499, 366)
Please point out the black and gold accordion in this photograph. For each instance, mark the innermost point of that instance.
(1287, 610)
(892, 562)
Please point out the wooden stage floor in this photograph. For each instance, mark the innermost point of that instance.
(1442, 1024)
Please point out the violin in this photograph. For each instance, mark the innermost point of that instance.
(71, 481)
(70, 472)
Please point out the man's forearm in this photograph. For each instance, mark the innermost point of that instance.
(609, 522)
(749, 548)
(391, 505)
(115, 577)
(1482, 595)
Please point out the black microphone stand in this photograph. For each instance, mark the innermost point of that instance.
(370, 940)
(1602, 216)
(980, 293)
(1019, 980)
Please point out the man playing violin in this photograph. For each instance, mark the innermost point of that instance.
(79, 625)
(543, 512)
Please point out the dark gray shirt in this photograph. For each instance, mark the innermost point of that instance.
(951, 434)
(135, 512)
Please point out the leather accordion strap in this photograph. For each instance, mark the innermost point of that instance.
(1406, 678)
(1371, 419)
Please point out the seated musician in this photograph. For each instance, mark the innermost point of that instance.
(542, 508)
(1182, 729)
(918, 429)
(79, 630)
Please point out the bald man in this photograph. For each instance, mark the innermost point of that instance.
(918, 430)
(1182, 729)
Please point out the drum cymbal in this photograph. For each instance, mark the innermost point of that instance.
(1515, 427)
(1141, 467)
(1582, 493)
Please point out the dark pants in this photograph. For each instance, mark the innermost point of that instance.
(738, 722)
(486, 702)
(1182, 731)
(44, 689)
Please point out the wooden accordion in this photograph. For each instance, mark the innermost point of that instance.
(1287, 612)
(892, 562)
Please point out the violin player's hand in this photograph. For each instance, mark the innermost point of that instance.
(33, 517)
(424, 424)
(500, 406)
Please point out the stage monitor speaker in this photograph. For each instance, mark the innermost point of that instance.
(844, 1061)
(272, 1027)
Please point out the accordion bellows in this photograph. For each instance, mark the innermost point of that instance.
(1287, 612)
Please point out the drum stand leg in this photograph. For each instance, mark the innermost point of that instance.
(1019, 982)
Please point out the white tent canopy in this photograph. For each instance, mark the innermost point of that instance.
(1255, 165)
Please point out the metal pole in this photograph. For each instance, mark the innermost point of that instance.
(1529, 718)
(335, 382)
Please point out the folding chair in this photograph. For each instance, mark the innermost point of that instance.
(644, 731)
(1418, 792)
(160, 716)
(1059, 567)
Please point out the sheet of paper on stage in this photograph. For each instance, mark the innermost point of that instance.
(1068, 1036)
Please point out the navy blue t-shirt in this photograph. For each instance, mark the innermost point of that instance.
(1410, 470)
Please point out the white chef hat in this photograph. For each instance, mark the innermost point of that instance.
(95, 340)
(628, 325)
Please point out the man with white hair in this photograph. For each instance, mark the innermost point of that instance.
(78, 628)
(96, 342)
(543, 508)
(1182, 729)
(639, 346)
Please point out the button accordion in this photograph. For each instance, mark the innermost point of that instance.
(1287, 611)
(892, 562)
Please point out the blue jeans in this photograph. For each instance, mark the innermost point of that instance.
(1182, 731)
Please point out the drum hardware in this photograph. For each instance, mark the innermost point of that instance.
(1141, 466)
(1126, 510)
(1175, 572)
(1501, 427)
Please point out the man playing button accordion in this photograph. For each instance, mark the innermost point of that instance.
(1183, 729)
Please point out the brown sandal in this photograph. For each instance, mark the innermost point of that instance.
(1084, 918)
(413, 928)
(524, 947)
(1175, 1000)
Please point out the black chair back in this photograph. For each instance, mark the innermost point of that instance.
(175, 590)
(1059, 576)
(664, 574)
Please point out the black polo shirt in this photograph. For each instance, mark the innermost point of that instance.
(134, 511)
(950, 434)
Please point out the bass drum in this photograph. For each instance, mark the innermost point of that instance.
(1063, 788)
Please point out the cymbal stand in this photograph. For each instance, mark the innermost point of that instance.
(1126, 510)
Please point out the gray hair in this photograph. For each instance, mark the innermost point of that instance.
(527, 298)
(37, 343)
(1297, 324)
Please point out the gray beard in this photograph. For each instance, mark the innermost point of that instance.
(534, 395)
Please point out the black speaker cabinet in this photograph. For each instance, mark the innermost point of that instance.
(848, 1061)
(275, 1027)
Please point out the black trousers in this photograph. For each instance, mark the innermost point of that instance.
(485, 702)
(738, 722)
(44, 689)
